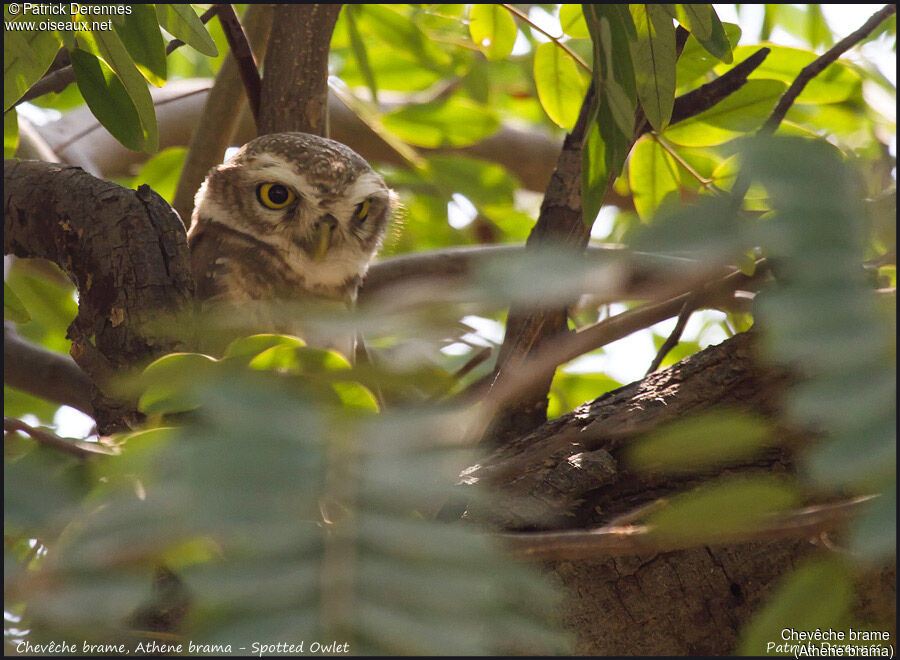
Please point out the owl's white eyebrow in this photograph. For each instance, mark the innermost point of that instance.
(284, 173)
(367, 184)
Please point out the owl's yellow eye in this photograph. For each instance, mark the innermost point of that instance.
(274, 195)
(362, 210)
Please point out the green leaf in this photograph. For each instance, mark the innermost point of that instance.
(817, 595)
(141, 36)
(836, 83)
(181, 22)
(107, 98)
(695, 61)
(456, 122)
(720, 508)
(246, 348)
(741, 113)
(112, 50)
(874, 536)
(652, 175)
(699, 442)
(706, 27)
(161, 172)
(10, 133)
(653, 58)
(619, 101)
(170, 381)
(359, 51)
(560, 87)
(27, 54)
(571, 18)
(493, 30)
(13, 309)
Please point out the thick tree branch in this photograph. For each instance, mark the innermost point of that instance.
(296, 99)
(125, 251)
(566, 472)
(44, 373)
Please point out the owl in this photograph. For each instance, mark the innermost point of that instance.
(290, 216)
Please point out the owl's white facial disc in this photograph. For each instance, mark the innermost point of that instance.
(313, 200)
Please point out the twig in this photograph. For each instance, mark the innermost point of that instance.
(58, 80)
(243, 55)
(617, 541)
(706, 96)
(706, 183)
(528, 373)
(473, 362)
(672, 340)
(73, 448)
(810, 71)
(818, 65)
(556, 40)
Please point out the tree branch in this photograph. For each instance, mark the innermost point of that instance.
(125, 251)
(243, 56)
(45, 374)
(295, 82)
(76, 448)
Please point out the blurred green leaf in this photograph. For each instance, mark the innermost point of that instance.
(456, 122)
(493, 30)
(140, 34)
(13, 309)
(10, 133)
(701, 442)
(161, 172)
(359, 50)
(836, 83)
(168, 382)
(181, 22)
(722, 507)
(817, 596)
(560, 86)
(874, 536)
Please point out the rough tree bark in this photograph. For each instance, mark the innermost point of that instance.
(296, 99)
(568, 474)
(126, 252)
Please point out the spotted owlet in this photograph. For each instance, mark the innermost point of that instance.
(289, 216)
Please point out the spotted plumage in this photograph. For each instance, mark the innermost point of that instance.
(289, 216)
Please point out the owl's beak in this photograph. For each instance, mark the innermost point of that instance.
(321, 239)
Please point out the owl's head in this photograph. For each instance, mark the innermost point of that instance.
(314, 200)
